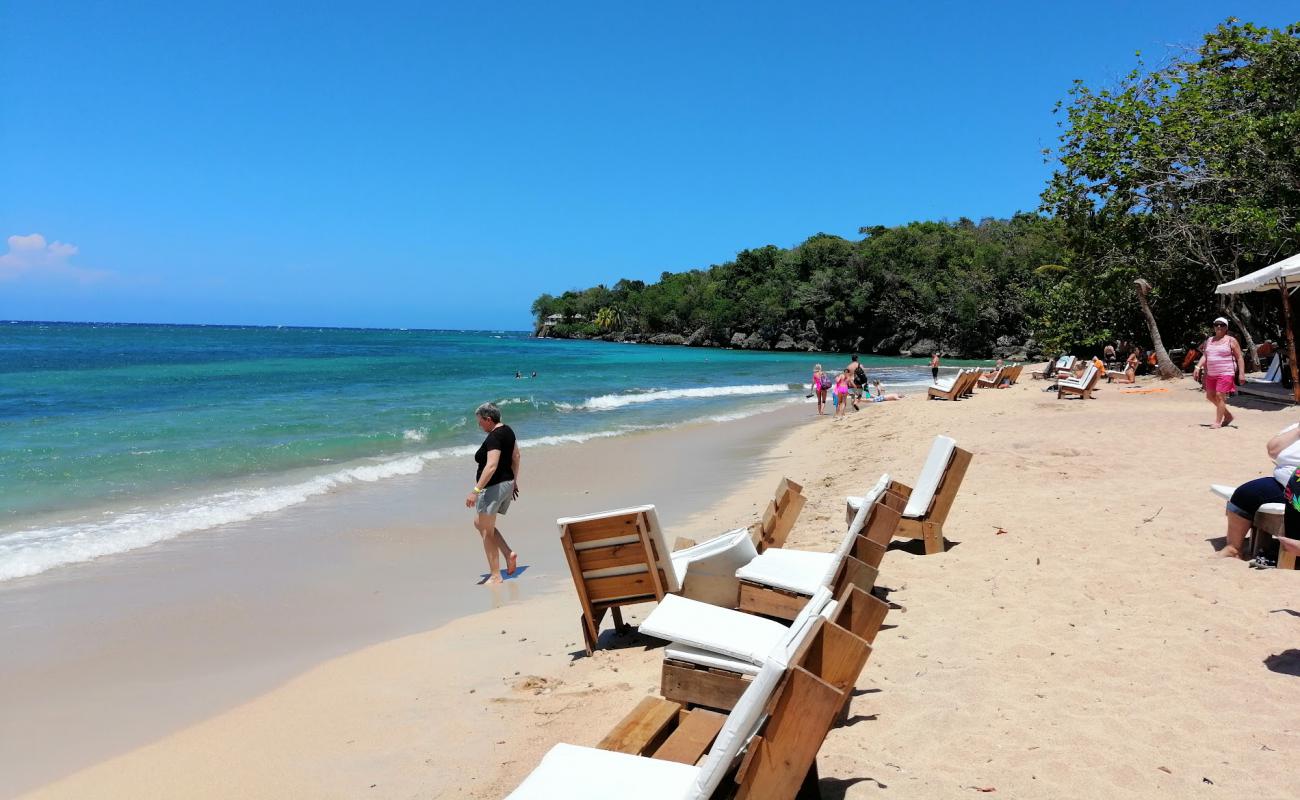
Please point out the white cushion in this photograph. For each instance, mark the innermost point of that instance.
(722, 630)
(1222, 490)
(861, 505)
(586, 773)
(936, 464)
(708, 658)
(793, 570)
(707, 571)
(672, 579)
(741, 725)
(1272, 508)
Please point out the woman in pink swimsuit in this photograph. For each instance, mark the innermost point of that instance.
(1218, 369)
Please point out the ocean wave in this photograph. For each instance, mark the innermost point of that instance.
(415, 434)
(32, 551)
(608, 402)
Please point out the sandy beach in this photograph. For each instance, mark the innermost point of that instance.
(1079, 638)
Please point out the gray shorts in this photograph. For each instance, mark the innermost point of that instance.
(495, 499)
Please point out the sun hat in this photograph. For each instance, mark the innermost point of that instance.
(1220, 321)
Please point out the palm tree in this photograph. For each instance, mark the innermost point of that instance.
(608, 318)
(1164, 363)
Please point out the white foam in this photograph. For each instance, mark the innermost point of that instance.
(32, 551)
(607, 402)
(415, 434)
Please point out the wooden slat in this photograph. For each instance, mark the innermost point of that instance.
(604, 528)
(868, 552)
(645, 727)
(785, 520)
(949, 484)
(695, 733)
(788, 748)
(755, 599)
(619, 555)
(689, 684)
(853, 572)
(860, 613)
(637, 585)
(882, 524)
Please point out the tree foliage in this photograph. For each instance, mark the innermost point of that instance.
(1185, 176)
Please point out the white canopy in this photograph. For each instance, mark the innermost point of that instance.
(1285, 273)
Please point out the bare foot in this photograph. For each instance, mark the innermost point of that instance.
(512, 562)
(1216, 426)
(1229, 552)
(493, 580)
(1228, 420)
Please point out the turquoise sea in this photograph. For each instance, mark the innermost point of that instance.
(114, 437)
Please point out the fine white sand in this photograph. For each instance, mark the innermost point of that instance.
(1080, 639)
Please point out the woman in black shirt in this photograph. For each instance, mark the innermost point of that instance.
(496, 483)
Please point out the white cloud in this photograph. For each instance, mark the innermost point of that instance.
(32, 256)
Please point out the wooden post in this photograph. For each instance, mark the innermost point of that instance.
(1290, 340)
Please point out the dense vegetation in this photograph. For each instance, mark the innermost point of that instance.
(1186, 176)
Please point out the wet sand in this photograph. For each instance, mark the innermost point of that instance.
(99, 658)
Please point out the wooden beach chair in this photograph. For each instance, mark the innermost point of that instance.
(993, 379)
(1082, 386)
(617, 558)
(778, 583)
(765, 748)
(1272, 375)
(1014, 374)
(952, 389)
(714, 653)
(930, 501)
(1054, 368)
(1269, 521)
(780, 515)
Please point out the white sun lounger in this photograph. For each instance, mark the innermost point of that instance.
(1273, 374)
(621, 557)
(587, 773)
(777, 582)
(930, 500)
(778, 724)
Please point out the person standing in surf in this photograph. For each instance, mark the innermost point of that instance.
(496, 484)
(934, 367)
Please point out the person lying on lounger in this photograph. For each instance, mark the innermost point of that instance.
(1129, 375)
(1284, 449)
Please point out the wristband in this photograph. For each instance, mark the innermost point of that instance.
(476, 490)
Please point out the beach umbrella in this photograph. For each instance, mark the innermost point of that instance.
(1284, 276)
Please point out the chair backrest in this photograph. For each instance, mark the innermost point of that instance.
(859, 612)
(1066, 362)
(931, 473)
(742, 724)
(618, 555)
(780, 515)
(858, 556)
(817, 684)
(1090, 373)
(1274, 373)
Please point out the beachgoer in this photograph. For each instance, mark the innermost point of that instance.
(878, 395)
(496, 483)
(1284, 449)
(934, 366)
(841, 390)
(1291, 512)
(1218, 369)
(857, 379)
(820, 383)
(1108, 352)
(517, 375)
(1129, 375)
(534, 375)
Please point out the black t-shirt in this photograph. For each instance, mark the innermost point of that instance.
(503, 439)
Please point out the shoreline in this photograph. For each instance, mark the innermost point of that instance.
(220, 616)
(1075, 639)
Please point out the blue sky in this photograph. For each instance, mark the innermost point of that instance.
(440, 165)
